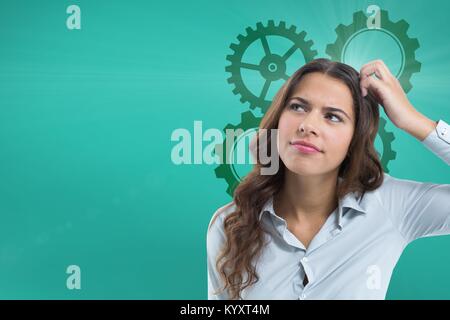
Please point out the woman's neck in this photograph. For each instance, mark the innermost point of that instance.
(306, 197)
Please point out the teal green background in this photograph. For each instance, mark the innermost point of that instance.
(86, 118)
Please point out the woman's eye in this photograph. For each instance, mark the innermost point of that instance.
(295, 106)
(337, 117)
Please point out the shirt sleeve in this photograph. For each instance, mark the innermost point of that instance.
(417, 209)
(215, 239)
(438, 141)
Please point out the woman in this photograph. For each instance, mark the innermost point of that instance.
(330, 224)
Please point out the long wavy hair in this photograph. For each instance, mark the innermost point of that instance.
(360, 171)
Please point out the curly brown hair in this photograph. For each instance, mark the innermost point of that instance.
(360, 171)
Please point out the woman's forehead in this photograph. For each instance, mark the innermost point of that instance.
(322, 90)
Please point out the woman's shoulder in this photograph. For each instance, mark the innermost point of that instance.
(384, 190)
(215, 235)
(395, 191)
(220, 214)
(392, 184)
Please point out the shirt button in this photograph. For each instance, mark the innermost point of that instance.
(305, 259)
(303, 297)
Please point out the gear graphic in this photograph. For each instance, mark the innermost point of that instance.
(226, 170)
(386, 138)
(397, 30)
(272, 67)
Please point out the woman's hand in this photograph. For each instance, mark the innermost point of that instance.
(390, 95)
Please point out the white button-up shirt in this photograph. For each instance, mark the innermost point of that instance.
(355, 251)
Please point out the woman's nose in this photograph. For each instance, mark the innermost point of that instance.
(308, 125)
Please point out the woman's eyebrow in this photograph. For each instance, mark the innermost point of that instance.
(303, 100)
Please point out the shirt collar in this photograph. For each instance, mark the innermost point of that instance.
(350, 200)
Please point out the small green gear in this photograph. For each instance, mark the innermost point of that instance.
(272, 67)
(226, 170)
(386, 138)
(397, 30)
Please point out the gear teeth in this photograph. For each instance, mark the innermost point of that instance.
(219, 172)
(242, 99)
(340, 29)
(230, 58)
(230, 80)
(387, 138)
(407, 85)
(229, 126)
(271, 24)
(358, 15)
(402, 26)
(330, 50)
(415, 66)
(249, 31)
(246, 116)
(240, 38)
(234, 47)
(235, 91)
(414, 44)
(292, 29)
(282, 25)
(259, 26)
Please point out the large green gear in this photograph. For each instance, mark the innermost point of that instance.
(272, 67)
(225, 170)
(397, 30)
(386, 138)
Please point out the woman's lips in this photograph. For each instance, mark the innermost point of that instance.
(304, 149)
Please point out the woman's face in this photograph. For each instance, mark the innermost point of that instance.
(329, 129)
